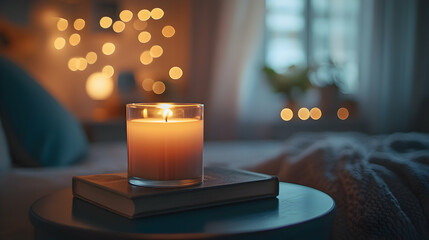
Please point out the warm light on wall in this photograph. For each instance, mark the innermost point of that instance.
(126, 15)
(303, 113)
(175, 73)
(147, 84)
(139, 25)
(108, 71)
(146, 58)
(105, 22)
(168, 31)
(315, 113)
(158, 87)
(144, 37)
(59, 43)
(79, 24)
(343, 113)
(98, 86)
(118, 26)
(62, 24)
(156, 51)
(74, 39)
(286, 114)
(108, 48)
(91, 57)
(143, 14)
(157, 13)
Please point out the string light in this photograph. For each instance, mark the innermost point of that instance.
(105, 22)
(59, 43)
(74, 39)
(168, 31)
(303, 113)
(143, 14)
(315, 113)
(108, 71)
(175, 73)
(146, 58)
(118, 26)
(81, 64)
(343, 113)
(72, 64)
(156, 51)
(144, 37)
(79, 24)
(62, 24)
(286, 114)
(126, 15)
(157, 13)
(108, 48)
(91, 57)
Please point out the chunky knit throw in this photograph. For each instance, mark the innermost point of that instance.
(380, 184)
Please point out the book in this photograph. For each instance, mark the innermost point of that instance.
(220, 186)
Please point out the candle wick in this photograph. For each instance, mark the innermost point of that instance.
(166, 118)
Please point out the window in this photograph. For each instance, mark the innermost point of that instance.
(312, 33)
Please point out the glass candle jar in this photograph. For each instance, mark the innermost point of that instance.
(165, 144)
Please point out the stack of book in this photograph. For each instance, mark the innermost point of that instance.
(220, 186)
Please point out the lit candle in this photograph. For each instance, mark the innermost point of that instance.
(165, 144)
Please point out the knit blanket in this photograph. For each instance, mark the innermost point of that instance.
(380, 184)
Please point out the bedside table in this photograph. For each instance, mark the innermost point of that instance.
(298, 212)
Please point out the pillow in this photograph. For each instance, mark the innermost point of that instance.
(4, 151)
(40, 132)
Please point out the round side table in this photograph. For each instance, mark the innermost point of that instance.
(297, 213)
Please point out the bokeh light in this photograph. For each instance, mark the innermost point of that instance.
(105, 22)
(108, 48)
(147, 84)
(175, 73)
(146, 58)
(74, 39)
(98, 86)
(144, 37)
(79, 24)
(168, 31)
(81, 64)
(157, 13)
(126, 15)
(343, 113)
(72, 64)
(156, 51)
(143, 14)
(91, 57)
(303, 113)
(286, 114)
(62, 24)
(158, 87)
(139, 25)
(108, 71)
(59, 43)
(315, 113)
(118, 26)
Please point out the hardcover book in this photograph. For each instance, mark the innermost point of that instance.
(220, 186)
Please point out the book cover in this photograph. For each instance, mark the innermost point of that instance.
(220, 186)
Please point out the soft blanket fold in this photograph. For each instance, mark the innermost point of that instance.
(380, 184)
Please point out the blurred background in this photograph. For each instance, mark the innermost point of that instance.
(263, 69)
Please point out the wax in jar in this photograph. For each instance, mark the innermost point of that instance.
(165, 150)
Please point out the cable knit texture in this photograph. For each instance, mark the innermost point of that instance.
(380, 184)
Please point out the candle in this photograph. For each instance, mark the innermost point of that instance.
(165, 144)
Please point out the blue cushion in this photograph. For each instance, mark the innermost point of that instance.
(40, 132)
(5, 161)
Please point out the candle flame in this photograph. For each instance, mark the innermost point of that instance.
(167, 113)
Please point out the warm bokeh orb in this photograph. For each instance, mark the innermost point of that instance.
(303, 113)
(59, 43)
(105, 22)
(98, 86)
(315, 113)
(175, 73)
(146, 58)
(126, 15)
(143, 14)
(81, 64)
(108, 48)
(139, 25)
(118, 26)
(144, 37)
(79, 24)
(168, 31)
(343, 113)
(158, 87)
(147, 84)
(91, 57)
(72, 64)
(286, 114)
(74, 39)
(157, 13)
(156, 51)
(108, 71)
(62, 24)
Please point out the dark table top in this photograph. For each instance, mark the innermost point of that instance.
(298, 211)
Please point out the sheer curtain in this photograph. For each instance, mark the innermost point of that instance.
(387, 60)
